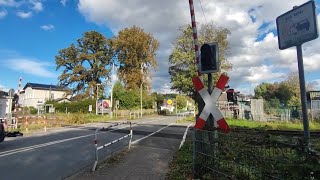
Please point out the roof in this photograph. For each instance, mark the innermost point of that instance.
(45, 87)
(3, 94)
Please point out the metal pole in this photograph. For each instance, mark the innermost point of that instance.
(96, 150)
(141, 91)
(131, 133)
(193, 152)
(97, 99)
(303, 95)
(210, 119)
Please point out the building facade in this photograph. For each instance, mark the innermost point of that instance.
(37, 94)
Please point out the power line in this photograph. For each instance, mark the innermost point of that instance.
(203, 12)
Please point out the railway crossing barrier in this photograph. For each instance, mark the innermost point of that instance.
(97, 148)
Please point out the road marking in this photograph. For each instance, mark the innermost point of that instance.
(184, 136)
(151, 134)
(23, 149)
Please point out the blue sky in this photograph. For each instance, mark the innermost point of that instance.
(32, 32)
(24, 42)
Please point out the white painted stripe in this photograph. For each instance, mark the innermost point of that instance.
(151, 134)
(15, 151)
(184, 136)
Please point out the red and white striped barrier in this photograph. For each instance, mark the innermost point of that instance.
(210, 103)
(17, 103)
(195, 36)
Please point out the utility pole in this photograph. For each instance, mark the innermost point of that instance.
(141, 90)
(111, 100)
(97, 99)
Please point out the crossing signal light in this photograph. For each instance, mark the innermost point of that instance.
(209, 61)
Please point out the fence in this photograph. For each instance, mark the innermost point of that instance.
(97, 148)
(252, 155)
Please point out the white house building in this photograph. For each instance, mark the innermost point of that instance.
(37, 94)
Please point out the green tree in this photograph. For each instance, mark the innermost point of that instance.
(182, 58)
(292, 82)
(85, 64)
(136, 52)
(181, 101)
(118, 90)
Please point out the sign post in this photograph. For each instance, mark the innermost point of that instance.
(294, 28)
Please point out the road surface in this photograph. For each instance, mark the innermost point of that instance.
(62, 152)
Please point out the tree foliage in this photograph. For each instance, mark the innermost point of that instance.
(136, 50)
(130, 98)
(86, 63)
(182, 58)
(181, 101)
(286, 92)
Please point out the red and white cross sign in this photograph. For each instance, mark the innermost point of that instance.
(210, 103)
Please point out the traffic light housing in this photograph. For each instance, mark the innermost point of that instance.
(232, 96)
(209, 60)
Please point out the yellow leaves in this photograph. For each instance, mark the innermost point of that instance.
(135, 48)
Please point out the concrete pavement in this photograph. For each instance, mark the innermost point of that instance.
(59, 154)
(148, 159)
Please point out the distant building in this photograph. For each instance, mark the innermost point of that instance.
(34, 94)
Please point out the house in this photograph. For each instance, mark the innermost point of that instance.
(34, 94)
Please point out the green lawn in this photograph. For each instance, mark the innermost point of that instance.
(276, 125)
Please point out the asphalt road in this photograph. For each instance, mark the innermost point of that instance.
(62, 152)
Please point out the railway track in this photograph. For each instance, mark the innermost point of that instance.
(293, 133)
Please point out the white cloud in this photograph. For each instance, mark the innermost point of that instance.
(3, 14)
(47, 27)
(37, 6)
(3, 88)
(24, 15)
(63, 2)
(30, 66)
(10, 3)
(253, 62)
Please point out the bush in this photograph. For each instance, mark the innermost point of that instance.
(32, 110)
(75, 107)
(77, 118)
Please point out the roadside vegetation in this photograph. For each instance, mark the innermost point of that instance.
(181, 166)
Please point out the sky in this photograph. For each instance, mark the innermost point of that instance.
(33, 31)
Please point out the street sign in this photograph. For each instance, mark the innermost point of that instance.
(210, 103)
(90, 108)
(169, 101)
(297, 26)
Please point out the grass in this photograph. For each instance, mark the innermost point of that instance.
(70, 119)
(275, 125)
(186, 120)
(181, 165)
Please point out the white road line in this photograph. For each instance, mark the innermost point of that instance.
(151, 134)
(184, 136)
(15, 151)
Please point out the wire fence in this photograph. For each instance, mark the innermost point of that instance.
(252, 155)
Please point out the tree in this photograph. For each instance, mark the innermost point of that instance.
(182, 67)
(181, 101)
(294, 87)
(85, 64)
(136, 51)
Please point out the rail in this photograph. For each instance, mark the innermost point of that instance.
(97, 148)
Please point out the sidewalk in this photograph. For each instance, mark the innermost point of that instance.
(147, 160)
